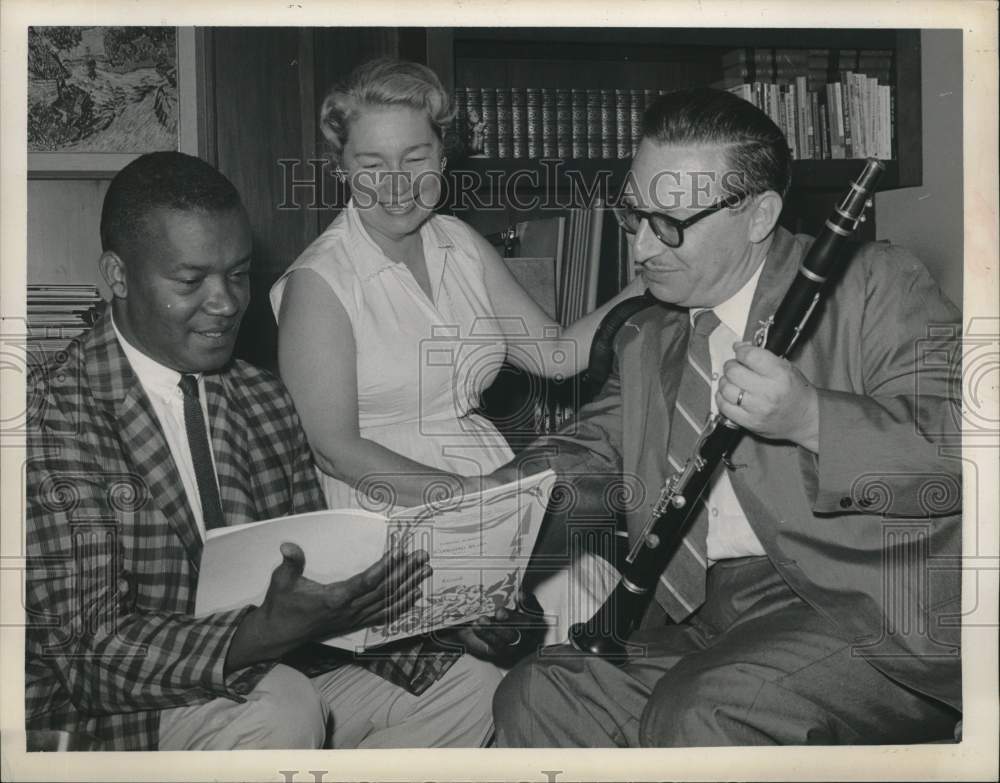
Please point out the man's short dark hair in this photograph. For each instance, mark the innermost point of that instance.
(160, 179)
(757, 150)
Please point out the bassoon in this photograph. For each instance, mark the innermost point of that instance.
(606, 633)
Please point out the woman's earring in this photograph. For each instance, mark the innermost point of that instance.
(340, 174)
(444, 164)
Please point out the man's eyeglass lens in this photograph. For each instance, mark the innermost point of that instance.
(668, 230)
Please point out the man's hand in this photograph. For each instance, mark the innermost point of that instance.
(504, 636)
(297, 610)
(777, 401)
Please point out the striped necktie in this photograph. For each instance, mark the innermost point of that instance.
(201, 454)
(681, 588)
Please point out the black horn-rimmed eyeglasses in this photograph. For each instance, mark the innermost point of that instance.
(670, 231)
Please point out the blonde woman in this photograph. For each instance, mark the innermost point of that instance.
(395, 319)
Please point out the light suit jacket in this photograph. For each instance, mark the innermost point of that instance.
(869, 530)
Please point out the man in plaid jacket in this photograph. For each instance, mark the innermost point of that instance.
(117, 513)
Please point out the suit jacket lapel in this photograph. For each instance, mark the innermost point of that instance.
(780, 268)
(114, 383)
(229, 446)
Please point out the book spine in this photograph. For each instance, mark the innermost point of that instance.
(519, 122)
(893, 136)
(534, 123)
(623, 124)
(791, 118)
(609, 131)
(845, 103)
(824, 127)
(490, 149)
(635, 110)
(815, 131)
(550, 126)
(505, 126)
(594, 124)
(838, 107)
(831, 119)
(802, 116)
(857, 125)
(564, 123)
(885, 93)
(475, 135)
(579, 126)
(867, 115)
(875, 124)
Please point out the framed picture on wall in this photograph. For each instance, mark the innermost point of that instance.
(98, 97)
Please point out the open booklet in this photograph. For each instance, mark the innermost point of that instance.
(479, 546)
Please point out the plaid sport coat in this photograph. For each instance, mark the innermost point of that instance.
(113, 551)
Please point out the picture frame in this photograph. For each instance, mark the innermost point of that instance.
(104, 165)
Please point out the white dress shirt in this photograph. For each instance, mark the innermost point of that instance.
(161, 386)
(729, 532)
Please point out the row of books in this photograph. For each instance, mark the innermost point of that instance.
(537, 122)
(850, 118)
(57, 313)
(819, 66)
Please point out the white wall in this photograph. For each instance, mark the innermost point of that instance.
(928, 220)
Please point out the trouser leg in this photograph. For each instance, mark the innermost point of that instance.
(782, 674)
(283, 711)
(756, 665)
(785, 680)
(561, 698)
(370, 712)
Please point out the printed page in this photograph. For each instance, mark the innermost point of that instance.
(479, 548)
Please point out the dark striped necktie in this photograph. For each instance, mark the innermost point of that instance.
(201, 454)
(681, 588)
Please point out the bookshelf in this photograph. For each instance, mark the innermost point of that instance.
(508, 61)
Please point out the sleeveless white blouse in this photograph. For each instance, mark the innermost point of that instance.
(421, 362)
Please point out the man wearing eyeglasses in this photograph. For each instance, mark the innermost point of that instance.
(799, 608)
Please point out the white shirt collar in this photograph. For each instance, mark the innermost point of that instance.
(153, 376)
(735, 311)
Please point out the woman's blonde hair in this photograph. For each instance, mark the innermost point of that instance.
(383, 82)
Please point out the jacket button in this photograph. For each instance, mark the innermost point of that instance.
(846, 502)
